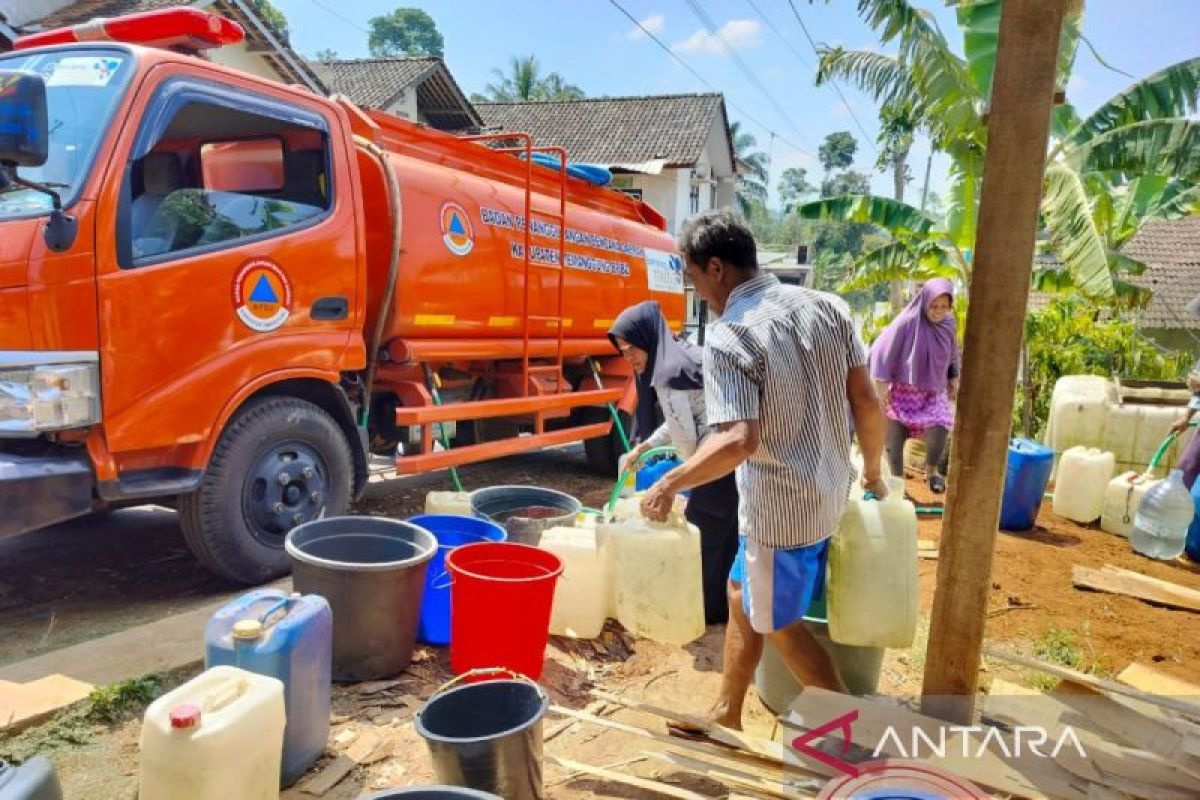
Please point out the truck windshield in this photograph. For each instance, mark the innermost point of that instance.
(83, 86)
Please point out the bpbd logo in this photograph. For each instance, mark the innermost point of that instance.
(457, 234)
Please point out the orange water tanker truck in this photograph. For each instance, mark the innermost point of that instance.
(224, 293)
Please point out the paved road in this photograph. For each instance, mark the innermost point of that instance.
(100, 574)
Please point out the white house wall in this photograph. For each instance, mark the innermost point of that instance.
(238, 57)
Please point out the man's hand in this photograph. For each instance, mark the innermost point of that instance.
(952, 388)
(658, 502)
(876, 486)
(630, 458)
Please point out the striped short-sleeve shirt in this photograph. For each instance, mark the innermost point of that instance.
(780, 355)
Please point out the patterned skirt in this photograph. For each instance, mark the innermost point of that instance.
(919, 409)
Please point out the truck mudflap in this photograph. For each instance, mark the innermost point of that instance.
(39, 491)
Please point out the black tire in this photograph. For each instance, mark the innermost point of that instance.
(603, 452)
(236, 522)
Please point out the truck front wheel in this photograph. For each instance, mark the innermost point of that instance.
(281, 462)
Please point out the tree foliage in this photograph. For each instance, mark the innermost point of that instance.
(837, 151)
(1073, 336)
(404, 32)
(523, 82)
(752, 169)
(271, 15)
(794, 186)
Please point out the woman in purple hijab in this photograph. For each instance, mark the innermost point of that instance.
(915, 366)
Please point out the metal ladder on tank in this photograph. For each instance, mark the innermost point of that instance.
(532, 266)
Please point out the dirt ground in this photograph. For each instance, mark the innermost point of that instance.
(1034, 609)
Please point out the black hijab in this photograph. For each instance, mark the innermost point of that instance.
(670, 362)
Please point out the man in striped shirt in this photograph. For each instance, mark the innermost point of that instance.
(785, 372)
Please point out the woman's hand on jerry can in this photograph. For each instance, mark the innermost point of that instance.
(658, 502)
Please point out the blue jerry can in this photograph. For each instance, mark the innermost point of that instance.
(289, 637)
(33, 780)
(1029, 468)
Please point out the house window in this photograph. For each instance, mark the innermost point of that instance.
(694, 200)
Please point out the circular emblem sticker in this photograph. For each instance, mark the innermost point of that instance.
(456, 229)
(894, 779)
(262, 295)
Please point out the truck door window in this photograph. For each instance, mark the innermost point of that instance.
(219, 176)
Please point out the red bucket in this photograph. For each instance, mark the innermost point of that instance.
(500, 603)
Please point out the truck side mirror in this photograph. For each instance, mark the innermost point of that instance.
(24, 142)
(24, 139)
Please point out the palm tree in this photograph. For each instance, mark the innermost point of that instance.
(524, 83)
(752, 169)
(1135, 158)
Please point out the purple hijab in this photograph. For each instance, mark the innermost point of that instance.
(912, 349)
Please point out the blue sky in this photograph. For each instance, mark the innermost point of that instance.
(595, 47)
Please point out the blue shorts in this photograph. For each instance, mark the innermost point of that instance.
(778, 586)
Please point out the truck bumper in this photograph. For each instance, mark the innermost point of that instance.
(38, 491)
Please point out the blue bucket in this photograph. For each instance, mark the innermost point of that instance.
(451, 531)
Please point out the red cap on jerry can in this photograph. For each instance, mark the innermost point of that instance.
(185, 716)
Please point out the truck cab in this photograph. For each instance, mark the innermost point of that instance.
(217, 245)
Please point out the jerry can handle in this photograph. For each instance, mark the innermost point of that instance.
(283, 605)
(223, 695)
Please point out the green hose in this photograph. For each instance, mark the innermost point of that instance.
(612, 409)
(437, 401)
(665, 450)
(1160, 452)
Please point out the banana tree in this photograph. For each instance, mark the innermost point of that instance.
(1134, 158)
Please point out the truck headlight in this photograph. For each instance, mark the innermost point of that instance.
(44, 394)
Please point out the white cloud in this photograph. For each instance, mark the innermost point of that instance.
(734, 34)
(652, 24)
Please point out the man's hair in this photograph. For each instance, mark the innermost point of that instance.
(718, 234)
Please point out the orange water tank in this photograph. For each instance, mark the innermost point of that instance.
(462, 270)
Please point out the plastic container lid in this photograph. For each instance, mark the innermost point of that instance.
(185, 716)
(247, 629)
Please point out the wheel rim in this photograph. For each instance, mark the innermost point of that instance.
(286, 487)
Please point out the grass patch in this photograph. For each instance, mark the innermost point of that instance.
(109, 705)
(1065, 647)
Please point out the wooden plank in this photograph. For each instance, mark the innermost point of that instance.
(1108, 733)
(718, 733)
(738, 778)
(769, 767)
(1133, 584)
(1017, 129)
(329, 777)
(159, 646)
(1149, 679)
(1028, 776)
(645, 784)
(23, 704)
(1091, 681)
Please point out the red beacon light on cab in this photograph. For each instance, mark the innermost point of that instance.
(186, 30)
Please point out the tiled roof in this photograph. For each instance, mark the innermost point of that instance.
(290, 66)
(376, 82)
(84, 10)
(373, 82)
(1171, 251)
(617, 130)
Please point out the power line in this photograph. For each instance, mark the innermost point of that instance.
(708, 23)
(705, 81)
(349, 22)
(782, 38)
(833, 83)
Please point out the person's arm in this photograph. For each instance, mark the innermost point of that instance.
(729, 444)
(732, 389)
(680, 425)
(883, 392)
(869, 424)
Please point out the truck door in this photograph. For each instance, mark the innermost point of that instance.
(231, 257)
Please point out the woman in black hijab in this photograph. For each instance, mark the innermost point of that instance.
(669, 370)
